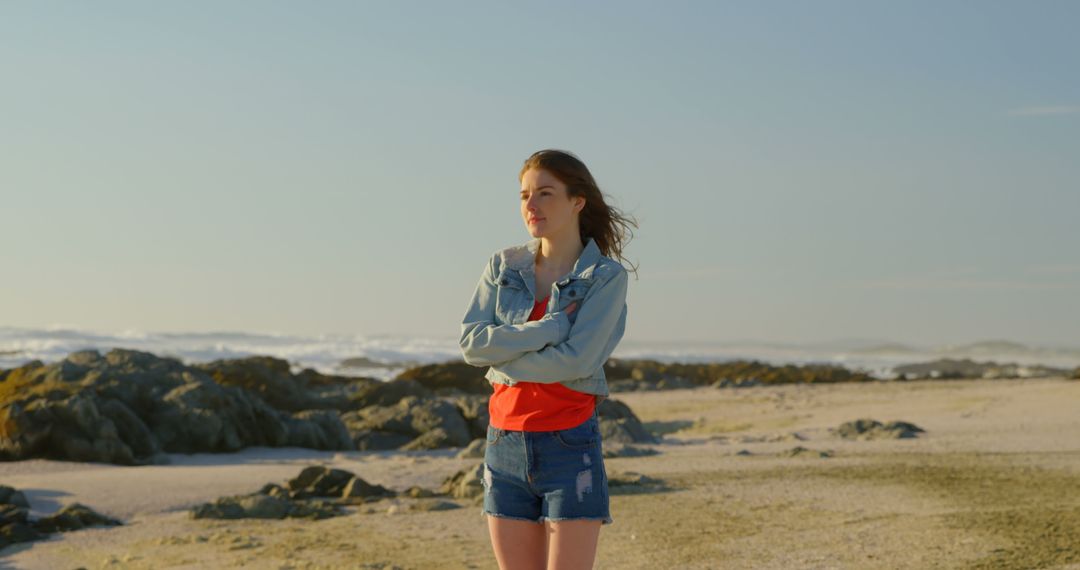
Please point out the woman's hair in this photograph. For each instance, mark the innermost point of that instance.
(605, 224)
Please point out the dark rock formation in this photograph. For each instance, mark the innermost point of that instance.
(15, 525)
(632, 482)
(388, 393)
(321, 481)
(626, 450)
(318, 492)
(270, 378)
(619, 425)
(865, 428)
(449, 378)
(411, 423)
(948, 368)
(465, 484)
(633, 374)
(129, 407)
(800, 451)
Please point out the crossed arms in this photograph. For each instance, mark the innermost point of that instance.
(550, 349)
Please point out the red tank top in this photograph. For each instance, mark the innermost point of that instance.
(532, 406)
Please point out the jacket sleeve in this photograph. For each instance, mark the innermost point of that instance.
(484, 343)
(598, 328)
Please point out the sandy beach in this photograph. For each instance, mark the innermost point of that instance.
(994, 482)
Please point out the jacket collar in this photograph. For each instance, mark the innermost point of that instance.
(523, 258)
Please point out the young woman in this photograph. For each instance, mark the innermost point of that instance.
(544, 318)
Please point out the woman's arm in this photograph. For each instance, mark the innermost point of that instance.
(599, 327)
(483, 343)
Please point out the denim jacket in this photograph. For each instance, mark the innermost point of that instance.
(570, 349)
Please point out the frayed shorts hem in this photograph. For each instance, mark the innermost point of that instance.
(482, 513)
(605, 520)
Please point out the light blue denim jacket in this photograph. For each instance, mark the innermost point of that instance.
(570, 349)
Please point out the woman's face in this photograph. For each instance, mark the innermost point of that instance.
(545, 206)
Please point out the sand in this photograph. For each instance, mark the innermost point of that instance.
(993, 483)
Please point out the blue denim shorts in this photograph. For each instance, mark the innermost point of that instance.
(554, 475)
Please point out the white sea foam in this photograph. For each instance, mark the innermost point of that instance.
(325, 352)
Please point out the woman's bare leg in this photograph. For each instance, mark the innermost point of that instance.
(572, 544)
(518, 544)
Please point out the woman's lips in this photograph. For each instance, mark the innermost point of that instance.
(534, 220)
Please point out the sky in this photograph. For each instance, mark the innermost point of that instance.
(798, 171)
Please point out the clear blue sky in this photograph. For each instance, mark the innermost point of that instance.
(802, 171)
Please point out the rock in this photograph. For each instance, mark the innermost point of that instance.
(474, 409)
(15, 525)
(358, 487)
(253, 506)
(645, 374)
(966, 368)
(13, 532)
(321, 481)
(675, 383)
(275, 490)
(317, 492)
(765, 438)
(433, 439)
(73, 517)
(450, 378)
(618, 424)
(631, 482)
(419, 423)
(626, 450)
(11, 496)
(268, 377)
(418, 492)
(260, 506)
(435, 505)
(388, 393)
(476, 448)
(363, 362)
(800, 450)
(319, 429)
(465, 484)
(368, 440)
(865, 428)
(131, 408)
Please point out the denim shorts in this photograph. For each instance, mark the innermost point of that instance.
(554, 475)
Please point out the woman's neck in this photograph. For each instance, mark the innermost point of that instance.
(559, 252)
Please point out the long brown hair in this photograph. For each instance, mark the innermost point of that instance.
(598, 220)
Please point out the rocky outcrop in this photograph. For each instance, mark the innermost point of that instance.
(132, 408)
(412, 423)
(800, 451)
(270, 378)
(632, 483)
(16, 526)
(965, 368)
(129, 407)
(865, 428)
(449, 378)
(619, 425)
(388, 393)
(644, 374)
(465, 484)
(318, 492)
